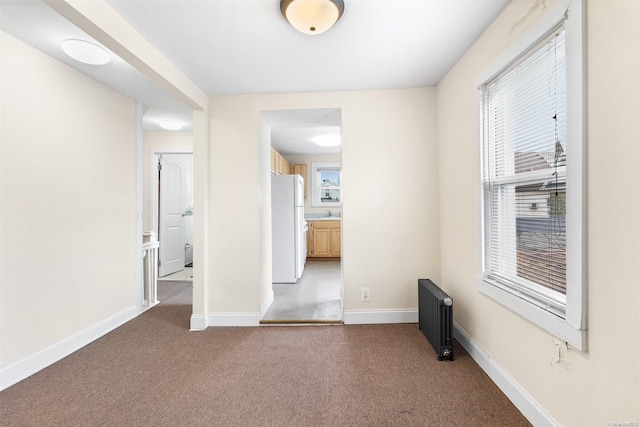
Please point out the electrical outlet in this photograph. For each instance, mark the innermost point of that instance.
(364, 294)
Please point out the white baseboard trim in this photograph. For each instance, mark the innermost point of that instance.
(266, 304)
(198, 322)
(366, 317)
(29, 365)
(529, 407)
(233, 319)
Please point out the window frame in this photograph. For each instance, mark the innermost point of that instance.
(316, 201)
(572, 328)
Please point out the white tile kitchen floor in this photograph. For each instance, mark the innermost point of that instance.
(314, 298)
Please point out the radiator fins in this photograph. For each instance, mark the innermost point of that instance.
(435, 317)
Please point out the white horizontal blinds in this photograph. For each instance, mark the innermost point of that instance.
(524, 173)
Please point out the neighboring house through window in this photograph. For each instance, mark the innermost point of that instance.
(326, 181)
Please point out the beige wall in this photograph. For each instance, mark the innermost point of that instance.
(68, 202)
(308, 160)
(389, 147)
(580, 388)
(159, 142)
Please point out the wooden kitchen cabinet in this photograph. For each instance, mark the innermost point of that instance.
(279, 165)
(274, 160)
(302, 171)
(324, 239)
(321, 242)
(309, 239)
(336, 242)
(283, 165)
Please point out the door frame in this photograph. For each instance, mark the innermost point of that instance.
(265, 146)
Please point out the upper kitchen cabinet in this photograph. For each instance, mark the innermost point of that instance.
(279, 165)
(302, 171)
(283, 166)
(274, 161)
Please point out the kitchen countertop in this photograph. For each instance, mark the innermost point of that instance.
(322, 218)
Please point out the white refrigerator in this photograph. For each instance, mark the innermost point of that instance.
(289, 236)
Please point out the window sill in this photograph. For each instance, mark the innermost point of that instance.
(553, 324)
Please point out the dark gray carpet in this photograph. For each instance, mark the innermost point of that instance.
(153, 372)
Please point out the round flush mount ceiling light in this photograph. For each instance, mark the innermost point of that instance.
(85, 52)
(312, 16)
(170, 125)
(331, 140)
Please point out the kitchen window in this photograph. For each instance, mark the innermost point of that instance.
(533, 211)
(326, 181)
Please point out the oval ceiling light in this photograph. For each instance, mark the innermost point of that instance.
(170, 125)
(85, 52)
(312, 16)
(331, 140)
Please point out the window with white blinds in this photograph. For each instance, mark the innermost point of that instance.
(524, 174)
(533, 203)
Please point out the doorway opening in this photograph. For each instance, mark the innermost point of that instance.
(172, 188)
(310, 293)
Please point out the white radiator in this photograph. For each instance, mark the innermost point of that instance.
(150, 247)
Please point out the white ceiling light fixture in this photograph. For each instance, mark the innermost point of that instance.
(86, 52)
(170, 125)
(330, 140)
(312, 16)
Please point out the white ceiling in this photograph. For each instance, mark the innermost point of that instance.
(292, 131)
(246, 46)
(40, 26)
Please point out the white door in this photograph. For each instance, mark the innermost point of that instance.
(175, 172)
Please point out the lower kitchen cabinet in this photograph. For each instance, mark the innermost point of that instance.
(323, 239)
